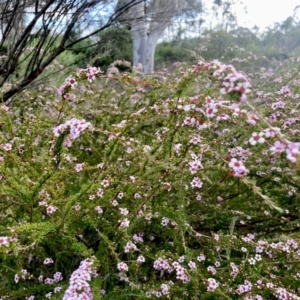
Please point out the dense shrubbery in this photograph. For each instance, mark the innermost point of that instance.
(176, 186)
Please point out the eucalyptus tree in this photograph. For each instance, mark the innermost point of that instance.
(34, 32)
(148, 20)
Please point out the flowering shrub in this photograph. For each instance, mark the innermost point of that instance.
(175, 186)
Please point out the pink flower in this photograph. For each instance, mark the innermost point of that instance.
(105, 183)
(16, 278)
(71, 81)
(48, 261)
(177, 148)
(99, 210)
(140, 259)
(292, 151)
(278, 147)
(124, 223)
(79, 167)
(257, 138)
(201, 257)
(124, 211)
(192, 265)
(7, 147)
(57, 277)
(48, 281)
(4, 241)
(90, 77)
(57, 289)
(130, 246)
(285, 90)
(238, 168)
(79, 287)
(271, 132)
(51, 209)
(77, 207)
(100, 193)
(211, 111)
(69, 96)
(212, 284)
(222, 117)
(75, 126)
(122, 267)
(196, 182)
(161, 264)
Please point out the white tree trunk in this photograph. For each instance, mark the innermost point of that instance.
(143, 47)
(149, 52)
(139, 40)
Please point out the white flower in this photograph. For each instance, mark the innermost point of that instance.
(257, 138)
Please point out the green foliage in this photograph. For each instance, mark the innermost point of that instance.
(113, 44)
(132, 178)
(277, 43)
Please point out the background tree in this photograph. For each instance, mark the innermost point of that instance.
(148, 20)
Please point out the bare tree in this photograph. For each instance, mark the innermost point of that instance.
(33, 33)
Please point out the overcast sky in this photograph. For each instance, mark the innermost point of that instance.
(264, 13)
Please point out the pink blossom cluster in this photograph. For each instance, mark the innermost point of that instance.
(239, 152)
(288, 246)
(48, 261)
(4, 241)
(285, 90)
(211, 107)
(138, 238)
(6, 147)
(163, 291)
(90, 73)
(196, 183)
(212, 284)
(195, 163)
(235, 269)
(123, 267)
(74, 128)
(130, 247)
(244, 288)
(57, 277)
(78, 284)
(231, 80)
(238, 168)
(162, 264)
(278, 105)
(283, 294)
(124, 223)
(181, 273)
(141, 259)
(291, 149)
(23, 275)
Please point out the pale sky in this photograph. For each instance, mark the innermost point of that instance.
(264, 13)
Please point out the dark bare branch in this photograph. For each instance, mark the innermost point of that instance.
(33, 45)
